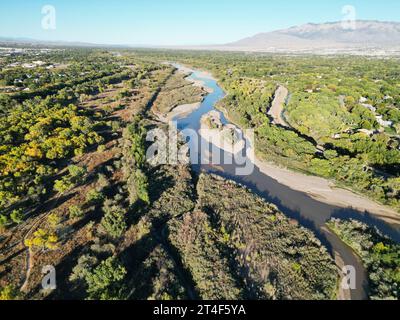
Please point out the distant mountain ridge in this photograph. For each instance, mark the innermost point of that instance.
(368, 37)
(332, 35)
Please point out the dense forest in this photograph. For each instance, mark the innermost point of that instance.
(76, 192)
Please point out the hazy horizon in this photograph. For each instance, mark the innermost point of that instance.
(175, 22)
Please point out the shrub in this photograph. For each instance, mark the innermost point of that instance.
(8, 293)
(17, 216)
(75, 212)
(63, 185)
(115, 126)
(104, 282)
(4, 221)
(102, 181)
(101, 148)
(94, 197)
(83, 268)
(113, 222)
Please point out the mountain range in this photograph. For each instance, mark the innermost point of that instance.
(364, 37)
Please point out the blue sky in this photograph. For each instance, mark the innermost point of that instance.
(176, 22)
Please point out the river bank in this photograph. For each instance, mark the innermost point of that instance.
(320, 189)
(179, 111)
(309, 200)
(200, 74)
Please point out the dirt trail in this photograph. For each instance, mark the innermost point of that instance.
(29, 253)
(276, 110)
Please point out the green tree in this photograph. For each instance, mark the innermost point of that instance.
(75, 212)
(330, 154)
(94, 197)
(142, 186)
(76, 175)
(4, 221)
(114, 219)
(104, 282)
(63, 185)
(17, 216)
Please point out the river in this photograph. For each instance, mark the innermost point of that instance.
(297, 205)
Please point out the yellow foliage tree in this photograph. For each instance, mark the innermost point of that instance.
(34, 151)
(8, 293)
(45, 238)
(42, 239)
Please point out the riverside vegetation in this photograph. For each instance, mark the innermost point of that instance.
(343, 112)
(380, 254)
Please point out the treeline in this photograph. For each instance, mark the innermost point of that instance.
(134, 161)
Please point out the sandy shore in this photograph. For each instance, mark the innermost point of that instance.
(277, 106)
(202, 74)
(198, 83)
(202, 85)
(179, 111)
(325, 191)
